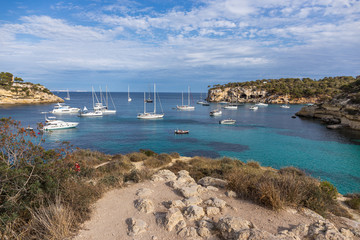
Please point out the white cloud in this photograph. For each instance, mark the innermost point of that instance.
(231, 34)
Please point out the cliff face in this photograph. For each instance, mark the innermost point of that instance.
(27, 93)
(253, 95)
(337, 113)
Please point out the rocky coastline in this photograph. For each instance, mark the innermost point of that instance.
(27, 93)
(254, 95)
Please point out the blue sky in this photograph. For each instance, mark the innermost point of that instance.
(76, 44)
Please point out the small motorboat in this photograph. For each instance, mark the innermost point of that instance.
(293, 116)
(227, 121)
(178, 131)
(231, 107)
(206, 104)
(262, 104)
(52, 124)
(285, 106)
(216, 112)
(29, 128)
(254, 108)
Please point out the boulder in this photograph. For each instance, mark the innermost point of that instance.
(210, 181)
(231, 194)
(324, 230)
(172, 218)
(190, 191)
(210, 211)
(144, 205)
(136, 226)
(176, 204)
(163, 175)
(195, 200)
(216, 202)
(253, 234)
(188, 232)
(194, 212)
(229, 227)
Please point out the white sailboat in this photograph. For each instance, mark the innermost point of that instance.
(99, 106)
(185, 107)
(129, 98)
(67, 96)
(154, 115)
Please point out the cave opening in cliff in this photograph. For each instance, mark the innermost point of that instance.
(243, 96)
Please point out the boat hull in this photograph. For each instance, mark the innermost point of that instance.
(185, 108)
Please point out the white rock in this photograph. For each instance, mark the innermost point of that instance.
(231, 194)
(210, 211)
(144, 205)
(177, 204)
(136, 226)
(190, 191)
(210, 181)
(216, 202)
(211, 188)
(192, 201)
(230, 227)
(163, 175)
(172, 218)
(188, 232)
(194, 212)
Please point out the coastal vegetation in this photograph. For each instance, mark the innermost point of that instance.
(297, 88)
(15, 90)
(47, 193)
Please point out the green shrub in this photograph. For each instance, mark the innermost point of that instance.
(148, 152)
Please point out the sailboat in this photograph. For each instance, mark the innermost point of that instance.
(201, 101)
(129, 98)
(67, 96)
(153, 115)
(185, 107)
(99, 106)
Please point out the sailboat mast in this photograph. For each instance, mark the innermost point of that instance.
(107, 100)
(182, 98)
(92, 94)
(188, 95)
(144, 103)
(154, 98)
(128, 91)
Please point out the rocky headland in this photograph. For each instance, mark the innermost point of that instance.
(280, 91)
(15, 91)
(341, 111)
(254, 95)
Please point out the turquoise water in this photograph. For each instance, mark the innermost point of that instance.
(269, 135)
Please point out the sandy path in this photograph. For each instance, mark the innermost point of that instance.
(111, 211)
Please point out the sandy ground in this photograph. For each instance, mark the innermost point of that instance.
(109, 215)
(111, 212)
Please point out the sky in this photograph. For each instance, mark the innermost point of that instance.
(175, 43)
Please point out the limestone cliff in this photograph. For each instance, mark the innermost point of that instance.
(341, 111)
(254, 95)
(26, 93)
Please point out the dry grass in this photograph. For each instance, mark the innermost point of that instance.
(354, 201)
(158, 161)
(53, 222)
(137, 157)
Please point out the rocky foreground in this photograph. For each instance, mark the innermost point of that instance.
(27, 93)
(176, 207)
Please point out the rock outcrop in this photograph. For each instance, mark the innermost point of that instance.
(253, 95)
(336, 114)
(27, 93)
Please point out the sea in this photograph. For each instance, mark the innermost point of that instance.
(269, 135)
